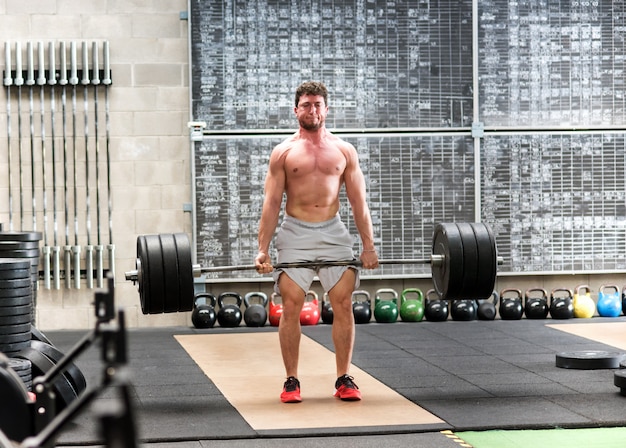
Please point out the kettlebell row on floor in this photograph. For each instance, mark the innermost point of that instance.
(256, 309)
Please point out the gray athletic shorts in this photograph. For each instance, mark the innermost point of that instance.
(300, 241)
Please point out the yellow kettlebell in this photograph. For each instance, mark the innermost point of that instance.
(584, 306)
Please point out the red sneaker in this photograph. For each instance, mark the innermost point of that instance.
(346, 390)
(291, 391)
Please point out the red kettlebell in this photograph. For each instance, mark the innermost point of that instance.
(276, 310)
(310, 313)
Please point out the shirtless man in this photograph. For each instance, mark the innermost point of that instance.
(310, 167)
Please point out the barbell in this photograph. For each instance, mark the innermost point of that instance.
(463, 263)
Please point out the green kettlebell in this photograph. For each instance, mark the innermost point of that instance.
(412, 310)
(386, 310)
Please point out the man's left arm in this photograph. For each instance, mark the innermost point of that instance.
(356, 191)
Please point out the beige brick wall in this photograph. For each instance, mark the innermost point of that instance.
(149, 144)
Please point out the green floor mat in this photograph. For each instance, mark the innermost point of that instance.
(547, 438)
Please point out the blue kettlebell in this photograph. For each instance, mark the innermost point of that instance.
(609, 303)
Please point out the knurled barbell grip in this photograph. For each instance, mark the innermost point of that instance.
(319, 264)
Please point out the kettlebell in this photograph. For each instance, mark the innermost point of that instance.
(536, 303)
(412, 309)
(327, 310)
(464, 309)
(561, 306)
(487, 307)
(276, 309)
(584, 306)
(255, 314)
(436, 309)
(511, 307)
(203, 314)
(361, 307)
(609, 303)
(310, 312)
(229, 314)
(386, 310)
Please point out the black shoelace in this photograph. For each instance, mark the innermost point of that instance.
(291, 384)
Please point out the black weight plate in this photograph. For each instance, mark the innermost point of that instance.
(470, 261)
(448, 276)
(72, 373)
(588, 360)
(16, 301)
(487, 260)
(15, 274)
(171, 288)
(15, 283)
(11, 245)
(185, 272)
(15, 410)
(14, 338)
(143, 274)
(20, 236)
(619, 378)
(154, 260)
(15, 310)
(13, 329)
(15, 320)
(19, 253)
(41, 365)
(20, 365)
(16, 292)
(10, 349)
(37, 335)
(10, 264)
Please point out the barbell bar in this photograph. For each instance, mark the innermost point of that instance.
(463, 265)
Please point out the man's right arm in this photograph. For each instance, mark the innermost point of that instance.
(272, 202)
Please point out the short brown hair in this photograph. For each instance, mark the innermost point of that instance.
(312, 88)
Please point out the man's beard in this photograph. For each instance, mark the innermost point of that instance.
(311, 126)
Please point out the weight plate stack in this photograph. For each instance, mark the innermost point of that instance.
(16, 309)
(25, 246)
(23, 368)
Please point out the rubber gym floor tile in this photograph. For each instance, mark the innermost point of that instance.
(514, 389)
(489, 413)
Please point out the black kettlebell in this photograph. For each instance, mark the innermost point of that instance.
(511, 307)
(203, 314)
(435, 310)
(487, 307)
(361, 308)
(536, 303)
(562, 303)
(229, 315)
(327, 310)
(255, 314)
(464, 309)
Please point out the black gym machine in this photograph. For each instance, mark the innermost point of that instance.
(34, 423)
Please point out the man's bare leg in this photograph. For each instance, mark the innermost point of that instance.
(343, 321)
(289, 328)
